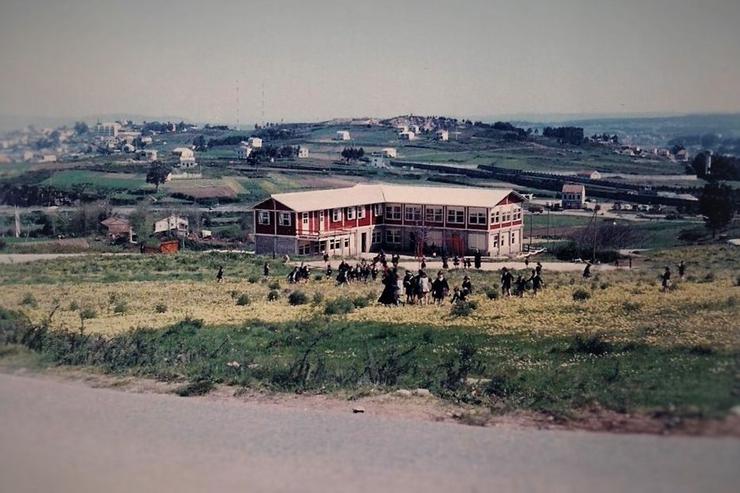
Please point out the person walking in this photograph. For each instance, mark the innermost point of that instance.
(408, 287)
(467, 286)
(587, 271)
(220, 274)
(456, 261)
(266, 270)
(526, 261)
(520, 285)
(666, 279)
(440, 288)
(478, 259)
(424, 287)
(537, 283)
(538, 268)
(458, 296)
(445, 264)
(389, 296)
(506, 279)
(681, 270)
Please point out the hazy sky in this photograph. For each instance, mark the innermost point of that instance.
(324, 58)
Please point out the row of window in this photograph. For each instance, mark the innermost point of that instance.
(393, 212)
(503, 237)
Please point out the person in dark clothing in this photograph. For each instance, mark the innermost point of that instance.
(537, 283)
(506, 279)
(587, 271)
(538, 269)
(666, 279)
(266, 269)
(374, 272)
(681, 270)
(520, 285)
(326, 256)
(389, 296)
(293, 276)
(456, 261)
(458, 296)
(329, 270)
(220, 274)
(408, 286)
(445, 264)
(342, 278)
(440, 287)
(526, 261)
(478, 259)
(467, 286)
(423, 263)
(141, 247)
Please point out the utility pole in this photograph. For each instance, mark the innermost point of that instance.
(593, 225)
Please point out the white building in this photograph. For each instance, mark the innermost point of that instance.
(407, 135)
(187, 157)
(390, 152)
(109, 129)
(302, 152)
(343, 135)
(175, 223)
(254, 142)
(443, 135)
(147, 155)
(48, 158)
(379, 161)
(243, 151)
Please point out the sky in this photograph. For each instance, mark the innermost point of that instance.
(321, 59)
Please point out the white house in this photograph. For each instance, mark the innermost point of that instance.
(443, 135)
(243, 151)
(48, 158)
(573, 196)
(302, 152)
(390, 152)
(109, 129)
(407, 135)
(379, 161)
(187, 157)
(343, 135)
(254, 142)
(147, 155)
(591, 175)
(175, 223)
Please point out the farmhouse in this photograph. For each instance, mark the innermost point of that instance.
(174, 223)
(379, 161)
(443, 135)
(591, 175)
(243, 151)
(302, 152)
(407, 135)
(389, 152)
(254, 142)
(342, 135)
(147, 155)
(573, 196)
(118, 227)
(365, 218)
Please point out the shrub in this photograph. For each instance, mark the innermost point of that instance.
(593, 344)
(581, 294)
(243, 300)
(29, 300)
(361, 302)
(200, 387)
(253, 279)
(318, 277)
(339, 306)
(297, 298)
(120, 308)
(631, 306)
(464, 309)
(160, 308)
(274, 284)
(604, 285)
(492, 293)
(318, 297)
(273, 295)
(74, 306)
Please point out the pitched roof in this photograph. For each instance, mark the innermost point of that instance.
(114, 221)
(573, 188)
(362, 194)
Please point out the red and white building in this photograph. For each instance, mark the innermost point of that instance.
(365, 218)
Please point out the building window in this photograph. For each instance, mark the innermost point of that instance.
(506, 217)
(377, 236)
(346, 243)
(513, 238)
(393, 236)
(477, 218)
(434, 215)
(321, 219)
(413, 213)
(517, 214)
(361, 212)
(304, 218)
(284, 219)
(304, 249)
(393, 212)
(336, 215)
(495, 217)
(378, 209)
(263, 217)
(495, 241)
(350, 213)
(456, 216)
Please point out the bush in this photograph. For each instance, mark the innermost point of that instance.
(253, 279)
(361, 302)
(297, 298)
(274, 284)
(74, 306)
(273, 295)
(464, 309)
(88, 313)
(120, 308)
(29, 300)
(339, 306)
(243, 300)
(318, 277)
(581, 294)
(160, 308)
(492, 293)
(200, 387)
(318, 297)
(631, 306)
(592, 344)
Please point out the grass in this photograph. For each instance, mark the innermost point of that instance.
(99, 180)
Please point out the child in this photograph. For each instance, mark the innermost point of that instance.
(458, 296)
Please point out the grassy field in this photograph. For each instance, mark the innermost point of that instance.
(99, 180)
(625, 346)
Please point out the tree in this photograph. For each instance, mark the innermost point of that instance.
(200, 143)
(717, 205)
(158, 173)
(81, 128)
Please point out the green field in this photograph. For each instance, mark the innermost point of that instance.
(95, 179)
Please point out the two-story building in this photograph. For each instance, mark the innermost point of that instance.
(365, 218)
(573, 196)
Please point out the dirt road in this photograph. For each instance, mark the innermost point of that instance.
(66, 437)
